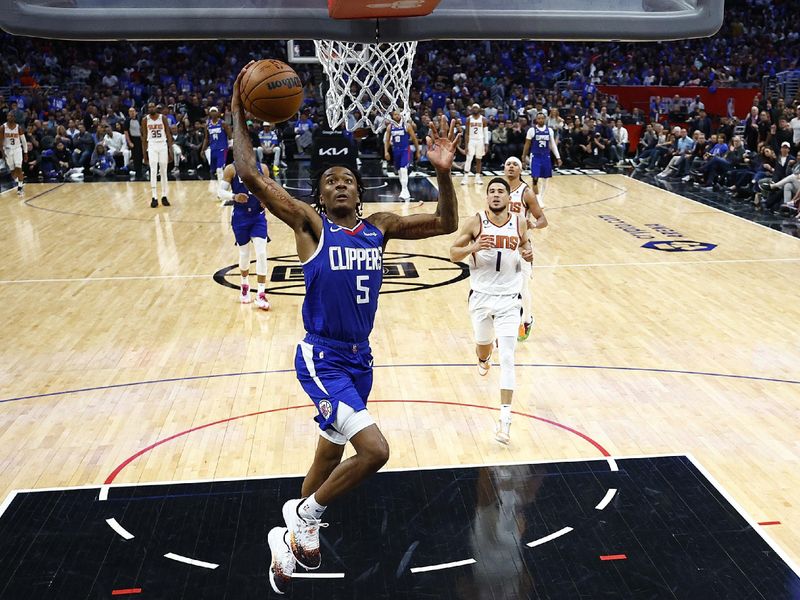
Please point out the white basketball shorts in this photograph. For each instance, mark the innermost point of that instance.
(494, 316)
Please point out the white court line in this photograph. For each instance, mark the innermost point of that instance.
(112, 522)
(397, 470)
(549, 538)
(666, 263)
(90, 279)
(606, 499)
(317, 575)
(612, 464)
(450, 565)
(190, 561)
(7, 502)
(756, 527)
(662, 263)
(103, 493)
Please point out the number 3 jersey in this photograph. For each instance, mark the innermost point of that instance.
(498, 270)
(343, 278)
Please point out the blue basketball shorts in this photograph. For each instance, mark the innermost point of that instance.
(251, 227)
(334, 374)
(541, 167)
(401, 157)
(219, 157)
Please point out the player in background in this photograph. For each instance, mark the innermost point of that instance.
(14, 149)
(269, 145)
(157, 150)
(523, 202)
(342, 258)
(496, 243)
(540, 141)
(400, 136)
(249, 223)
(476, 142)
(216, 140)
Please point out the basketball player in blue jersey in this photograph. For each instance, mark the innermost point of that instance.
(216, 140)
(249, 223)
(399, 135)
(540, 141)
(342, 257)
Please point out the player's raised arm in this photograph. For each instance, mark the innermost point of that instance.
(466, 243)
(297, 215)
(441, 150)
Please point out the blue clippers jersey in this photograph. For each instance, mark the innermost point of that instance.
(217, 138)
(540, 145)
(343, 279)
(399, 137)
(253, 206)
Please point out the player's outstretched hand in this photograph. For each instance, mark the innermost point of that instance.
(442, 145)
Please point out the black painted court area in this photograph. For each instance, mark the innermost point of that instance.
(679, 537)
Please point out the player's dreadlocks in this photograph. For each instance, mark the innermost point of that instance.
(316, 178)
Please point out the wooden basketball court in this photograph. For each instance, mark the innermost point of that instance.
(662, 327)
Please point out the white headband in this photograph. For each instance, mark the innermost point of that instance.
(514, 159)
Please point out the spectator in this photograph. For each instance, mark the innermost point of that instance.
(621, 142)
(515, 137)
(84, 147)
(102, 162)
(116, 145)
(498, 147)
(751, 129)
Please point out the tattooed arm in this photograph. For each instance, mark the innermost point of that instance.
(441, 150)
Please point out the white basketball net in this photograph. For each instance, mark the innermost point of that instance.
(363, 77)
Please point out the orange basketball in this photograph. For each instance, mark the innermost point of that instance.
(271, 91)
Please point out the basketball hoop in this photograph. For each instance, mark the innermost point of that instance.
(363, 77)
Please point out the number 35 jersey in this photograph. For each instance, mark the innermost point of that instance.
(497, 271)
(343, 278)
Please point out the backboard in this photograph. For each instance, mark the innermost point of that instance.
(637, 20)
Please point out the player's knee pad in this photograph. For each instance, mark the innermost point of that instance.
(260, 245)
(244, 257)
(506, 345)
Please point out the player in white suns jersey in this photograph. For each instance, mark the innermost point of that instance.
(157, 150)
(524, 203)
(15, 149)
(497, 244)
(475, 141)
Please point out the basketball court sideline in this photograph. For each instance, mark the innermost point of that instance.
(126, 361)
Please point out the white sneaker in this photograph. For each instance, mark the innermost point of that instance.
(502, 432)
(484, 365)
(282, 563)
(465, 180)
(405, 196)
(303, 536)
(245, 298)
(478, 180)
(261, 301)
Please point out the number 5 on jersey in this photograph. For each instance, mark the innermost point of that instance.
(362, 285)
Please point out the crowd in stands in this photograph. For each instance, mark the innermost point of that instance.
(77, 100)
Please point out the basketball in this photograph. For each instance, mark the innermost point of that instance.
(271, 91)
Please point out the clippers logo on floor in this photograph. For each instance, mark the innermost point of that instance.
(402, 272)
(649, 231)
